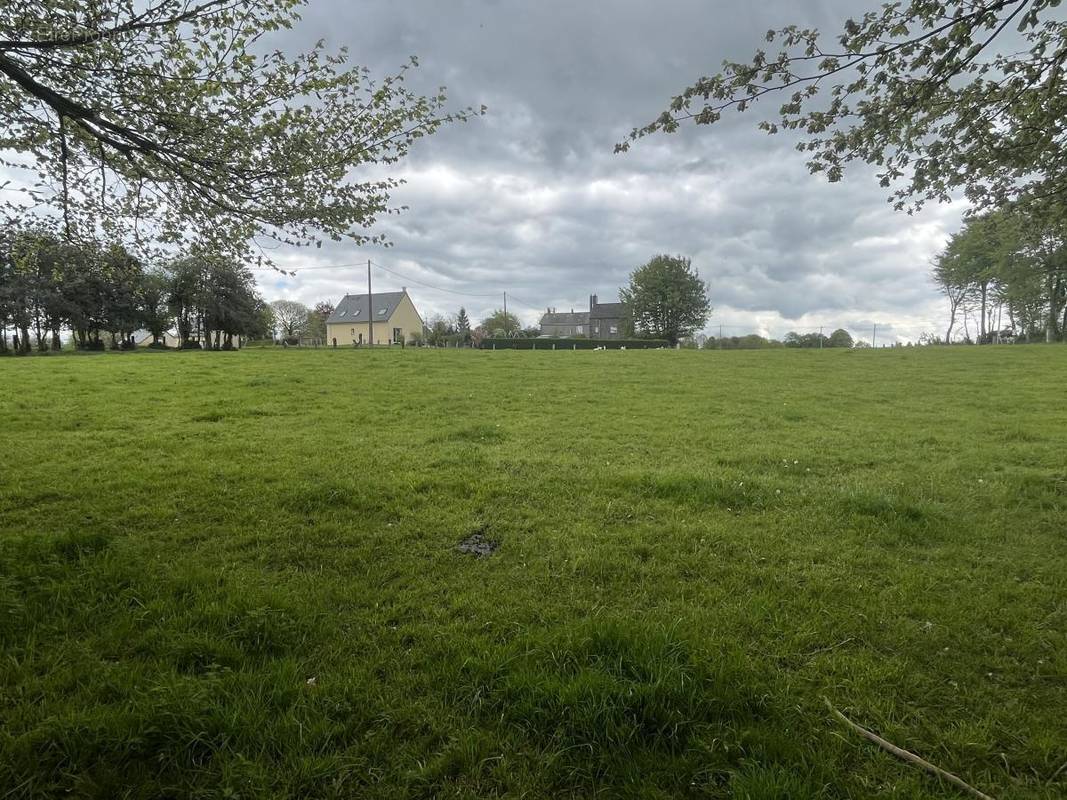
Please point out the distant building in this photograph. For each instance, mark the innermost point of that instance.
(567, 323)
(394, 316)
(605, 319)
(601, 321)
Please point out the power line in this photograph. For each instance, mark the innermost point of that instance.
(390, 270)
(430, 286)
(522, 302)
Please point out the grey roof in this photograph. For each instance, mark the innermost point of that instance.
(353, 307)
(607, 311)
(566, 318)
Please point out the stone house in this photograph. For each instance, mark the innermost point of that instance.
(606, 319)
(567, 323)
(601, 321)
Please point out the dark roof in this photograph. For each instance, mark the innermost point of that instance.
(566, 318)
(607, 311)
(353, 307)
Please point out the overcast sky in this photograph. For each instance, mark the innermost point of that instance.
(531, 198)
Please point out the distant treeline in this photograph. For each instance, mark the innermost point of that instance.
(1005, 277)
(839, 338)
(102, 295)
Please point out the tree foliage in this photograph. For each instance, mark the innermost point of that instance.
(316, 320)
(498, 324)
(439, 330)
(291, 318)
(939, 94)
(103, 295)
(840, 338)
(173, 119)
(463, 326)
(750, 341)
(666, 299)
(1010, 263)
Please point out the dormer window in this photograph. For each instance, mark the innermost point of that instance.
(355, 313)
(381, 312)
(341, 313)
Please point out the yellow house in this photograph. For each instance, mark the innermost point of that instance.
(394, 318)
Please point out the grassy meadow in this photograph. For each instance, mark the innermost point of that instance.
(236, 575)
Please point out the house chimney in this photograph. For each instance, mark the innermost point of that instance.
(592, 302)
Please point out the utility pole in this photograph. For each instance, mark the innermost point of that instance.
(720, 336)
(874, 334)
(505, 314)
(370, 308)
(820, 337)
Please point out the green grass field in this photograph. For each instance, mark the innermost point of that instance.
(236, 574)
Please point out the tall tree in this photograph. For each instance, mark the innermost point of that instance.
(438, 330)
(316, 323)
(185, 293)
(463, 326)
(156, 119)
(840, 338)
(939, 94)
(953, 282)
(1015, 260)
(121, 312)
(152, 300)
(666, 299)
(291, 317)
(501, 324)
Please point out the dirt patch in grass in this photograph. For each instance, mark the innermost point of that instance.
(478, 545)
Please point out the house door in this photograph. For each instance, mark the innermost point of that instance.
(398, 336)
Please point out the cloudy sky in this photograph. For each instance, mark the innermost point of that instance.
(530, 199)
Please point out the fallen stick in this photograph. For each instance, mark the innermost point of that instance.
(911, 758)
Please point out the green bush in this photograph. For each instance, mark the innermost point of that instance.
(571, 344)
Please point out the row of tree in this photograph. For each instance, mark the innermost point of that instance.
(839, 338)
(102, 295)
(1007, 271)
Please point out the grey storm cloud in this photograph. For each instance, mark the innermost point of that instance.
(531, 198)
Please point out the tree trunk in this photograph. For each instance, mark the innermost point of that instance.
(57, 343)
(981, 326)
(953, 306)
(1053, 310)
(39, 333)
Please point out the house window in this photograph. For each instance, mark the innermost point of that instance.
(398, 335)
(613, 329)
(353, 331)
(580, 328)
(355, 313)
(381, 312)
